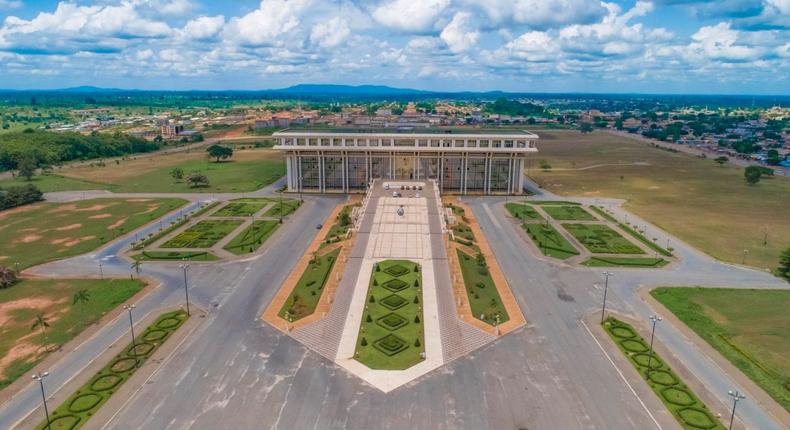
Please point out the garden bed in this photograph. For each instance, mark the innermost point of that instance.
(392, 335)
(601, 239)
(568, 213)
(252, 237)
(481, 291)
(305, 296)
(625, 262)
(204, 234)
(86, 401)
(523, 212)
(550, 241)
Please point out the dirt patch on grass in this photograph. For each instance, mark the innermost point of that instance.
(117, 224)
(100, 216)
(39, 303)
(150, 209)
(22, 350)
(95, 208)
(71, 242)
(25, 208)
(138, 200)
(69, 227)
(3, 257)
(28, 238)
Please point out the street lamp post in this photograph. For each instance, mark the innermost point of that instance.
(40, 378)
(101, 270)
(301, 185)
(605, 290)
(654, 319)
(281, 207)
(130, 308)
(736, 397)
(184, 267)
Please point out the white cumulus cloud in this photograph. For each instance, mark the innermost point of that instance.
(328, 34)
(410, 15)
(459, 34)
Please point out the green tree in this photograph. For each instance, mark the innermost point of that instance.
(26, 167)
(752, 174)
(783, 270)
(82, 297)
(721, 160)
(42, 323)
(219, 152)
(197, 179)
(586, 127)
(7, 277)
(772, 157)
(177, 174)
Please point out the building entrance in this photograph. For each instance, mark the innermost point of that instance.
(404, 168)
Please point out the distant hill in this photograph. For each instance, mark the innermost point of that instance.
(359, 90)
(90, 89)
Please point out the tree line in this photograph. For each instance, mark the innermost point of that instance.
(44, 148)
(12, 197)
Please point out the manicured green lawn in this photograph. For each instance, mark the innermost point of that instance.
(175, 255)
(52, 183)
(605, 215)
(203, 234)
(550, 241)
(244, 208)
(231, 176)
(522, 212)
(391, 335)
(305, 296)
(600, 239)
(684, 405)
(480, 291)
(86, 401)
(568, 213)
(552, 202)
(462, 231)
(22, 302)
(49, 231)
(640, 237)
(252, 237)
(625, 262)
(282, 208)
(751, 328)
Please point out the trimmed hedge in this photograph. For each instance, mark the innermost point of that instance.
(84, 403)
(684, 405)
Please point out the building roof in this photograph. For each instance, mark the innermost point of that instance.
(410, 131)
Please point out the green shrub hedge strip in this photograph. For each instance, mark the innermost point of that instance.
(80, 406)
(684, 405)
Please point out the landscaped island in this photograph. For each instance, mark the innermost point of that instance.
(392, 335)
(307, 292)
(684, 405)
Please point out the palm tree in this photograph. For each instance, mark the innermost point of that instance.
(42, 323)
(136, 266)
(82, 296)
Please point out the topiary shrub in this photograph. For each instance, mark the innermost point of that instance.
(416, 282)
(364, 342)
(416, 299)
(372, 299)
(369, 319)
(417, 319)
(417, 343)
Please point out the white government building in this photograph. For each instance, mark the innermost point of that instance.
(461, 160)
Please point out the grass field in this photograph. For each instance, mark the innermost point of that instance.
(282, 208)
(305, 296)
(522, 212)
(625, 262)
(480, 291)
(175, 255)
(252, 237)
(43, 232)
(707, 205)
(751, 328)
(248, 170)
(22, 347)
(244, 208)
(600, 239)
(568, 213)
(204, 234)
(391, 335)
(73, 413)
(684, 405)
(550, 241)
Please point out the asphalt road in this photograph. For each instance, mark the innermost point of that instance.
(236, 372)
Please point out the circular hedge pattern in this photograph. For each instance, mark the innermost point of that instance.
(633, 346)
(697, 418)
(64, 422)
(123, 365)
(677, 396)
(105, 382)
(643, 357)
(662, 377)
(84, 402)
(141, 349)
(623, 332)
(168, 322)
(154, 335)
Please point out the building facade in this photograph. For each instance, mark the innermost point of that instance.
(464, 161)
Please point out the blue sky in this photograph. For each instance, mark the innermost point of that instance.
(663, 46)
